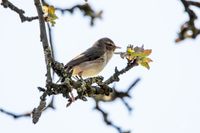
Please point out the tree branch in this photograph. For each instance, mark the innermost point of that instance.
(193, 3)
(94, 87)
(113, 96)
(115, 76)
(28, 114)
(189, 29)
(84, 87)
(14, 115)
(118, 94)
(48, 59)
(107, 121)
(20, 12)
(44, 40)
(86, 9)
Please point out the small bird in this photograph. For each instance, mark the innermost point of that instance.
(93, 60)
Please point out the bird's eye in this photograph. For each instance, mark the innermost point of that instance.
(109, 44)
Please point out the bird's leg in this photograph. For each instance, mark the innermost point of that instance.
(80, 76)
(77, 77)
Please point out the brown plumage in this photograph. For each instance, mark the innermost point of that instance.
(93, 60)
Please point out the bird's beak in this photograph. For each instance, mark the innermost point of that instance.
(117, 47)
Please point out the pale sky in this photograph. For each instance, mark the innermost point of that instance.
(166, 100)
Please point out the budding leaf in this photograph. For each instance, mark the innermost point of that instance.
(144, 64)
(49, 14)
(147, 52)
(139, 54)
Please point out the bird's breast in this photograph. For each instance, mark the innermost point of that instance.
(92, 68)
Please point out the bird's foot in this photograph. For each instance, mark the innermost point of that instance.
(78, 77)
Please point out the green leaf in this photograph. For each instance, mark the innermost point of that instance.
(145, 64)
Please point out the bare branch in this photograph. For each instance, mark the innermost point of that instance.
(27, 114)
(48, 58)
(107, 121)
(37, 112)
(44, 40)
(50, 32)
(115, 76)
(193, 3)
(20, 12)
(189, 29)
(15, 116)
(118, 94)
(113, 96)
(86, 9)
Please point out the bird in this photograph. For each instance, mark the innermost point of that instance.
(92, 61)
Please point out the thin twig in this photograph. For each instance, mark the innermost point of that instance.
(189, 28)
(113, 96)
(14, 115)
(115, 76)
(193, 3)
(50, 32)
(86, 9)
(27, 114)
(107, 121)
(20, 12)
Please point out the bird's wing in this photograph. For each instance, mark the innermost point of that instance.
(89, 55)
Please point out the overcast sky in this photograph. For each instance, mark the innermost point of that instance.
(166, 100)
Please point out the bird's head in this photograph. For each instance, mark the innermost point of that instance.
(106, 44)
